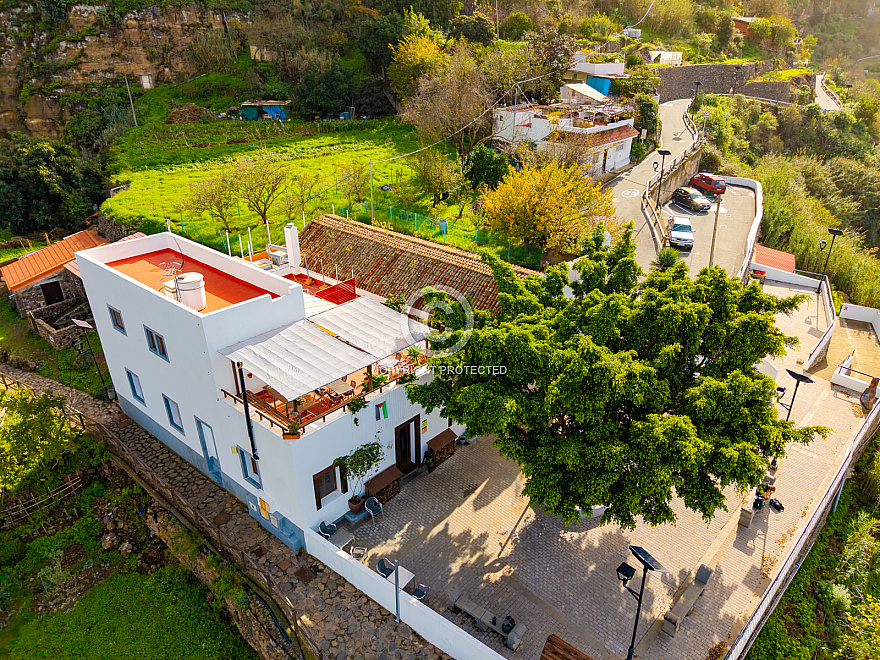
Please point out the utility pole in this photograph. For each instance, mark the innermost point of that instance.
(715, 233)
(133, 115)
(372, 215)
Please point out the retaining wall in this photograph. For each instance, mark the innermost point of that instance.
(676, 82)
(774, 90)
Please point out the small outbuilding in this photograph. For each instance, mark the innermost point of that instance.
(254, 110)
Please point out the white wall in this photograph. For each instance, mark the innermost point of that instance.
(194, 373)
(322, 444)
(599, 68)
(842, 377)
(431, 625)
(756, 223)
(859, 313)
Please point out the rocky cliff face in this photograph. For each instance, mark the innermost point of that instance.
(82, 51)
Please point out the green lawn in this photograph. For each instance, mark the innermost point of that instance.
(11, 253)
(161, 161)
(159, 616)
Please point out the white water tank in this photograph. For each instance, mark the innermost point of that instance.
(191, 287)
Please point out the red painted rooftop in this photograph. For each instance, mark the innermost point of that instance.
(221, 290)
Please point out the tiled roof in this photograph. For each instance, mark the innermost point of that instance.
(73, 267)
(50, 259)
(771, 258)
(598, 139)
(387, 263)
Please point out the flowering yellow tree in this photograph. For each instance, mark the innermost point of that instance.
(413, 57)
(549, 205)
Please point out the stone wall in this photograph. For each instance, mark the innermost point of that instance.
(773, 90)
(112, 231)
(677, 82)
(31, 297)
(679, 177)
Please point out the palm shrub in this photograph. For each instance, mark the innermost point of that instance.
(666, 258)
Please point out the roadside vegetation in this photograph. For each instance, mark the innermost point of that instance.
(80, 574)
(830, 608)
(818, 170)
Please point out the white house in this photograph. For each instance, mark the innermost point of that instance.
(248, 373)
(605, 132)
(670, 58)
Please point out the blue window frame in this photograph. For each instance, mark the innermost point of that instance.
(156, 343)
(116, 319)
(173, 411)
(136, 390)
(250, 468)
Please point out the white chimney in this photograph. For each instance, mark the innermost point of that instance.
(291, 241)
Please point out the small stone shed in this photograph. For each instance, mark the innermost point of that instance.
(46, 288)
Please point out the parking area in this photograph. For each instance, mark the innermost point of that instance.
(734, 222)
(466, 527)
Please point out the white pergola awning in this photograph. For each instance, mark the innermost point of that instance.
(298, 358)
(372, 327)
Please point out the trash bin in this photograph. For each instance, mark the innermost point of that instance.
(508, 624)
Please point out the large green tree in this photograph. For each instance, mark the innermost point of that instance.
(33, 433)
(627, 395)
(45, 184)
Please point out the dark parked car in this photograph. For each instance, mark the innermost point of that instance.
(692, 199)
(709, 183)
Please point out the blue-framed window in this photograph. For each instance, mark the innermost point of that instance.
(116, 319)
(136, 390)
(156, 343)
(173, 411)
(250, 468)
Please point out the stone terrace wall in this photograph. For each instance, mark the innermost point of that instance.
(676, 82)
(774, 90)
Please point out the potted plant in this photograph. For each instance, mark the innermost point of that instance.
(294, 431)
(360, 463)
(380, 380)
(414, 353)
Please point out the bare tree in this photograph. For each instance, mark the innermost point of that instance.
(216, 195)
(434, 172)
(354, 182)
(260, 183)
(451, 102)
(300, 190)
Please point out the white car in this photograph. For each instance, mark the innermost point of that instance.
(681, 233)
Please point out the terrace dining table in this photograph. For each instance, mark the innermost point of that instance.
(340, 387)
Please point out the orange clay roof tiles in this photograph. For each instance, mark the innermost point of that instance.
(49, 260)
(387, 263)
(774, 258)
(73, 267)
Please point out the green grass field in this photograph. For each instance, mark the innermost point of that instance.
(161, 161)
(161, 616)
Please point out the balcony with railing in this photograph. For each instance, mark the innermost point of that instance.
(293, 376)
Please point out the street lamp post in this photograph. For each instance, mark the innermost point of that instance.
(625, 573)
(83, 326)
(798, 378)
(664, 153)
(834, 234)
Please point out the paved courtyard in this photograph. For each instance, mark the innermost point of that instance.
(465, 526)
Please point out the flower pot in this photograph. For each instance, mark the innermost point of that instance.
(357, 508)
(291, 436)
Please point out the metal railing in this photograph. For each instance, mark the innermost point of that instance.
(834, 97)
(804, 543)
(654, 218)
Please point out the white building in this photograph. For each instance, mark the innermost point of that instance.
(186, 329)
(669, 58)
(605, 131)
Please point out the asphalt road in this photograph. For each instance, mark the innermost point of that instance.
(825, 101)
(628, 187)
(734, 222)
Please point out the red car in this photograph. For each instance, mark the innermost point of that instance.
(709, 182)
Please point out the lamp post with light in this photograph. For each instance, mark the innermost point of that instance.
(798, 378)
(625, 573)
(834, 234)
(664, 153)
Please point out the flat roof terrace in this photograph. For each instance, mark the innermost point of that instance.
(221, 289)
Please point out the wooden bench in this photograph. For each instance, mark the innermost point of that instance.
(673, 618)
(484, 619)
